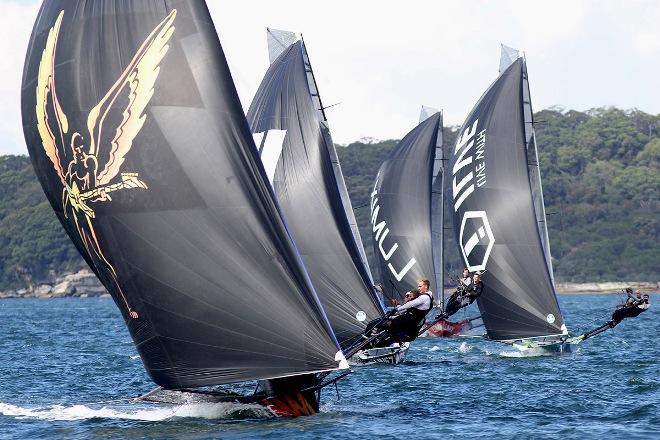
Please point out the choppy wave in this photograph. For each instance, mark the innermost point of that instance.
(464, 348)
(142, 412)
(528, 353)
(608, 389)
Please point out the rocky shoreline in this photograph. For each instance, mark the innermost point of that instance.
(608, 287)
(84, 284)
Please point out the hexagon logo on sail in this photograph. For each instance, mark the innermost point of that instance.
(476, 240)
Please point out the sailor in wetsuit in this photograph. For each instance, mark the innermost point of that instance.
(454, 300)
(463, 298)
(410, 316)
(633, 307)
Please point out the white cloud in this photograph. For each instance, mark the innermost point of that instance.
(382, 60)
(16, 20)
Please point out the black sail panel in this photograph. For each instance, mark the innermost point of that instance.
(494, 215)
(297, 151)
(139, 140)
(401, 204)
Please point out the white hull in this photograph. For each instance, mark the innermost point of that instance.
(533, 348)
(382, 355)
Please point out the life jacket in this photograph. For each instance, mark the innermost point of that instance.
(421, 314)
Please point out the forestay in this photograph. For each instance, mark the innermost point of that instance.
(139, 140)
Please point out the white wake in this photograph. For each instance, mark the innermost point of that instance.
(143, 412)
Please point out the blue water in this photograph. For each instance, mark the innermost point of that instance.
(60, 355)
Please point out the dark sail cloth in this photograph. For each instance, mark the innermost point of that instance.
(141, 145)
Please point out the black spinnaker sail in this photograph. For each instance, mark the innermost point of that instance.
(291, 132)
(495, 214)
(138, 138)
(402, 204)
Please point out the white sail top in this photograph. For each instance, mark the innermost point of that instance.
(507, 56)
(278, 41)
(426, 113)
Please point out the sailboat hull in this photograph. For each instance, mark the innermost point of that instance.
(293, 404)
(293, 396)
(546, 347)
(381, 355)
(287, 403)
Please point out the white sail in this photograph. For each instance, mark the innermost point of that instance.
(278, 41)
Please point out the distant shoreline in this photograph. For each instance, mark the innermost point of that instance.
(573, 289)
(84, 284)
(607, 287)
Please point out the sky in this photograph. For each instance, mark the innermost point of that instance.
(382, 60)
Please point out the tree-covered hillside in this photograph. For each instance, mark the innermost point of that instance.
(33, 245)
(601, 180)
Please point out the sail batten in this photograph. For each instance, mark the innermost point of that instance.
(496, 213)
(145, 155)
(309, 186)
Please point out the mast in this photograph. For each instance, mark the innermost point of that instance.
(535, 172)
(278, 42)
(339, 175)
(437, 208)
(507, 57)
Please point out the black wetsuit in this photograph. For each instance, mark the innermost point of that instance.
(404, 327)
(630, 310)
(460, 299)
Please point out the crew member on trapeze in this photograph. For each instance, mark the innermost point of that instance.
(465, 295)
(632, 308)
(463, 284)
(410, 316)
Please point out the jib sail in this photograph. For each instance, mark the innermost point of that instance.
(401, 210)
(138, 138)
(292, 135)
(495, 215)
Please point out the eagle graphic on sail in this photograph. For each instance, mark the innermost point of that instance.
(88, 162)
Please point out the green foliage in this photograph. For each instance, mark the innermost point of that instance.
(601, 181)
(33, 245)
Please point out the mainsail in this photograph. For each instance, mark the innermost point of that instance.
(496, 216)
(402, 205)
(286, 117)
(139, 140)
